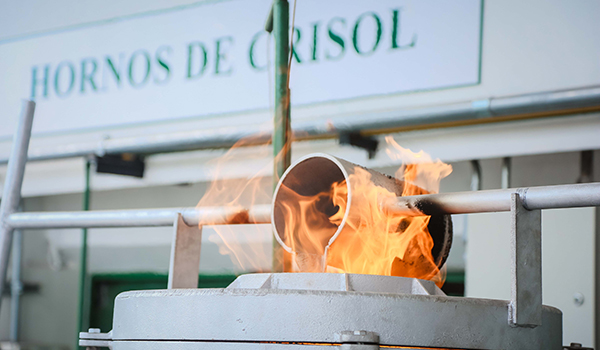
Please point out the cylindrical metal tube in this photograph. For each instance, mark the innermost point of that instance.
(551, 103)
(16, 286)
(282, 133)
(140, 217)
(542, 197)
(82, 319)
(12, 184)
(314, 175)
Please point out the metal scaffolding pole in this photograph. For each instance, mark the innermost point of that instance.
(16, 286)
(12, 185)
(82, 315)
(257, 214)
(282, 134)
(533, 198)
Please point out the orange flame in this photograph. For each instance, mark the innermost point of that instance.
(242, 243)
(372, 240)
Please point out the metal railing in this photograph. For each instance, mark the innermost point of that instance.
(523, 203)
(140, 217)
(10, 219)
(532, 198)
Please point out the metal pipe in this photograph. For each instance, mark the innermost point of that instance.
(597, 277)
(538, 105)
(282, 132)
(11, 196)
(542, 197)
(140, 217)
(82, 320)
(16, 286)
(314, 175)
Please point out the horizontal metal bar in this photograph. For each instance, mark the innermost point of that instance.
(542, 197)
(140, 217)
(545, 103)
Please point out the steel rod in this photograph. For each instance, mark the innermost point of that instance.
(12, 185)
(282, 133)
(16, 286)
(140, 217)
(82, 315)
(541, 104)
(542, 197)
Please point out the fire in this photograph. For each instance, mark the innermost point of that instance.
(242, 243)
(418, 170)
(339, 227)
(328, 236)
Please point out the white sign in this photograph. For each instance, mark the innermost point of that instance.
(211, 58)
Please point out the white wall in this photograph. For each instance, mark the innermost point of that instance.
(568, 246)
(528, 47)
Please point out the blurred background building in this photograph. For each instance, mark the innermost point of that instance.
(508, 92)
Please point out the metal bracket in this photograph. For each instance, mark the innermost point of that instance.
(93, 339)
(525, 309)
(356, 139)
(127, 164)
(184, 267)
(358, 340)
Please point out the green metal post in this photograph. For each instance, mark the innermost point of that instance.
(81, 317)
(282, 128)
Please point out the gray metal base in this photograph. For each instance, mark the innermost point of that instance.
(264, 311)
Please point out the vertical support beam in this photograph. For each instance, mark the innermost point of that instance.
(184, 267)
(595, 176)
(82, 312)
(282, 124)
(597, 281)
(16, 286)
(12, 185)
(525, 308)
